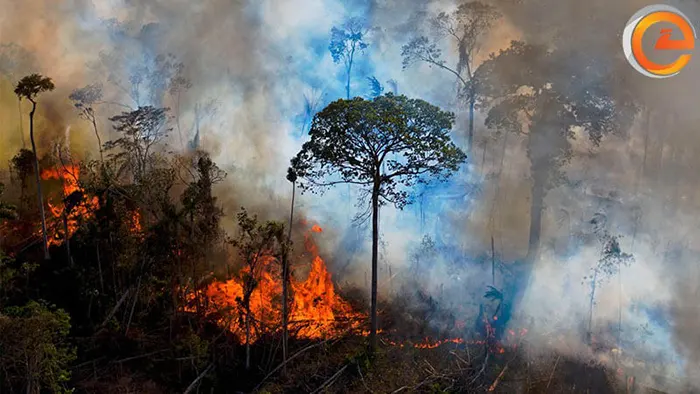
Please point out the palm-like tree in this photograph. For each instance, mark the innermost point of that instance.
(29, 88)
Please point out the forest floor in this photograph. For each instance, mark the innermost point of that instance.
(341, 365)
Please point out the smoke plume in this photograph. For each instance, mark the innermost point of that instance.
(257, 71)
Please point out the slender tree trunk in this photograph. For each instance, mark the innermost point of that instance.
(470, 135)
(30, 373)
(21, 128)
(40, 195)
(493, 263)
(347, 95)
(66, 238)
(619, 304)
(99, 267)
(177, 120)
(591, 304)
(347, 85)
(247, 335)
(99, 140)
(375, 245)
(285, 280)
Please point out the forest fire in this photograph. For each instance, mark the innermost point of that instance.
(317, 311)
(72, 205)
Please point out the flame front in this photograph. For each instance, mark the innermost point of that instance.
(69, 176)
(316, 309)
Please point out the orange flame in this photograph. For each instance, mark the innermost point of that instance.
(316, 308)
(69, 176)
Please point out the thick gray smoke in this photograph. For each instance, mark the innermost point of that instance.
(255, 65)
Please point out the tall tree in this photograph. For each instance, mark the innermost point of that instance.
(610, 263)
(346, 41)
(291, 177)
(464, 28)
(140, 132)
(14, 60)
(526, 92)
(383, 146)
(29, 88)
(84, 100)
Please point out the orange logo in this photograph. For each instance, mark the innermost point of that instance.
(641, 22)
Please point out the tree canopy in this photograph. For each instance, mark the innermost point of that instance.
(30, 86)
(351, 141)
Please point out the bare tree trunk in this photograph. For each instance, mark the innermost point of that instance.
(99, 267)
(470, 135)
(493, 263)
(375, 245)
(247, 335)
(591, 304)
(40, 195)
(99, 140)
(285, 281)
(21, 128)
(177, 120)
(619, 304)
(66, 238)
(347, 85)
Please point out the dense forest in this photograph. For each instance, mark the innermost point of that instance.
(423, 198)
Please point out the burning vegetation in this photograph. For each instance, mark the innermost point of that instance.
(316, 312)
(122, 268)
(70, 207)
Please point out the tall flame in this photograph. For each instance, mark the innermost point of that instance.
(316, 308)
(69, 176)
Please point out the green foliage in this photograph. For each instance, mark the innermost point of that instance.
(30, 86)
(255, 243)
(7, 211)
(198, 201)
(194, 348)
(352, 141)
(23, 164)
(34, 352)
(8, 275)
